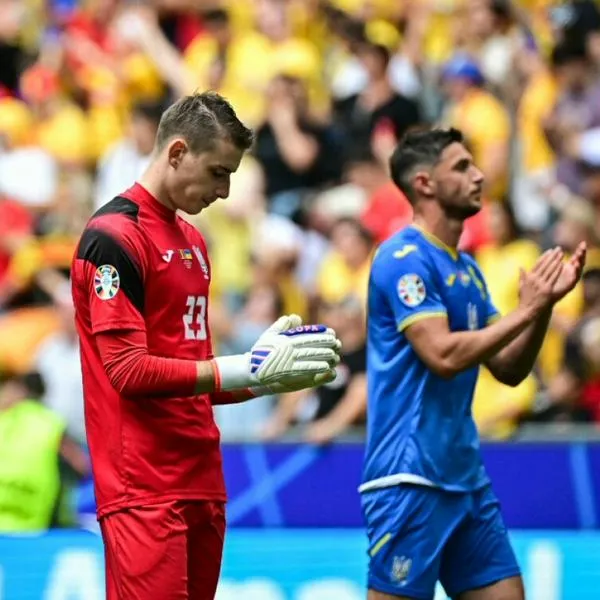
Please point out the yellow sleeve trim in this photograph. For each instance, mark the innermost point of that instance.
(380, 544)
(419, 317)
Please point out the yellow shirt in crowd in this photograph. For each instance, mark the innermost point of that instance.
(493, 401)
(16, 121)
(112, 95)
(485, 122)
(243, 84)
(337, 281)
(65, 134)
(230, 242)
(536, 105)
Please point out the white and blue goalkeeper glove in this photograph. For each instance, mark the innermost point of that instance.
(287, 356)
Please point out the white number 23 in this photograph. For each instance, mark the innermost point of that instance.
(194, 320)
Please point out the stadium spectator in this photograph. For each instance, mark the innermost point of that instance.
(483, 119)
(487, 33)
(32, 440)
(377, 106)
(12, 54)
(497, 408)
(296, 152)
(128, 158)
(577, 106)
(576, 223)
(534, 171)
(574, 393)
(345, 269)
(237, 335)
(387, 209)
(57, 362)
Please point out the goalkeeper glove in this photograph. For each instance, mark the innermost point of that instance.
(295, 383)
(285, 352)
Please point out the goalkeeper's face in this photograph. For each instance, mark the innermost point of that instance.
(194, 181)
(458, 183)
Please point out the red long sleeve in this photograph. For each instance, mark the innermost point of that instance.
(134, 372)
(231, 397)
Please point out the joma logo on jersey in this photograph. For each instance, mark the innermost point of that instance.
(405, 251)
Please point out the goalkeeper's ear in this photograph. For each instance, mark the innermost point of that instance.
(284, 323)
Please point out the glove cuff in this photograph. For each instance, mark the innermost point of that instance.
(232, 372)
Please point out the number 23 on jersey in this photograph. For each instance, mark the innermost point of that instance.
(194, 319)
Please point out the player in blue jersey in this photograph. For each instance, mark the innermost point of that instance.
(430, 511)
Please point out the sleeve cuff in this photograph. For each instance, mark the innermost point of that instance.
(493, 318)
(411, 319)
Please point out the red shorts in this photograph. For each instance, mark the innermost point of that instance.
(164, 551)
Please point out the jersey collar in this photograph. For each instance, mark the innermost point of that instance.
(139, 193)
(435, 241)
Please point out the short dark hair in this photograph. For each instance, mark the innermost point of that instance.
(418, 148)
(569, 51)
(202, 119)
(215, 16)
(359, 155)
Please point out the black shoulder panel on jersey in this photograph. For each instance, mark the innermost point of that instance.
(119, 206)
(100, 248)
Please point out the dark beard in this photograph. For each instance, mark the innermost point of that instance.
(461, 213)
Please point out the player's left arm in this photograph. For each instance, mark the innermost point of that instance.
(513, 363)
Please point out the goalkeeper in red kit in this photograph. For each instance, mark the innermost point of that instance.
(140, 282)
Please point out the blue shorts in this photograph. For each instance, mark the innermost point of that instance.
(420, 535)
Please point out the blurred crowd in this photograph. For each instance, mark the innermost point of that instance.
(329, 86)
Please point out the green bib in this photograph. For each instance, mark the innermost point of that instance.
(30, 438)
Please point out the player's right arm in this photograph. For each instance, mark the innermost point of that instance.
(421, 315)
(110, 270)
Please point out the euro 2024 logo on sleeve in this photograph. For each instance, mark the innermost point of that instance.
(411, 290)
(106, 282)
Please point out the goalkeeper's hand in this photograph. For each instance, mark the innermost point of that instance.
(287, 355)
(295, 383)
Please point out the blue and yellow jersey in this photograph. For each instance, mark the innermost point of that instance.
(420, 427)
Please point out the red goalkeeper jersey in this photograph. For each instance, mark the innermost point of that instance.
(142, 271)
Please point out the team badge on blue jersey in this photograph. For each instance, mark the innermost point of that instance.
(106, 282)
(411, 290)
